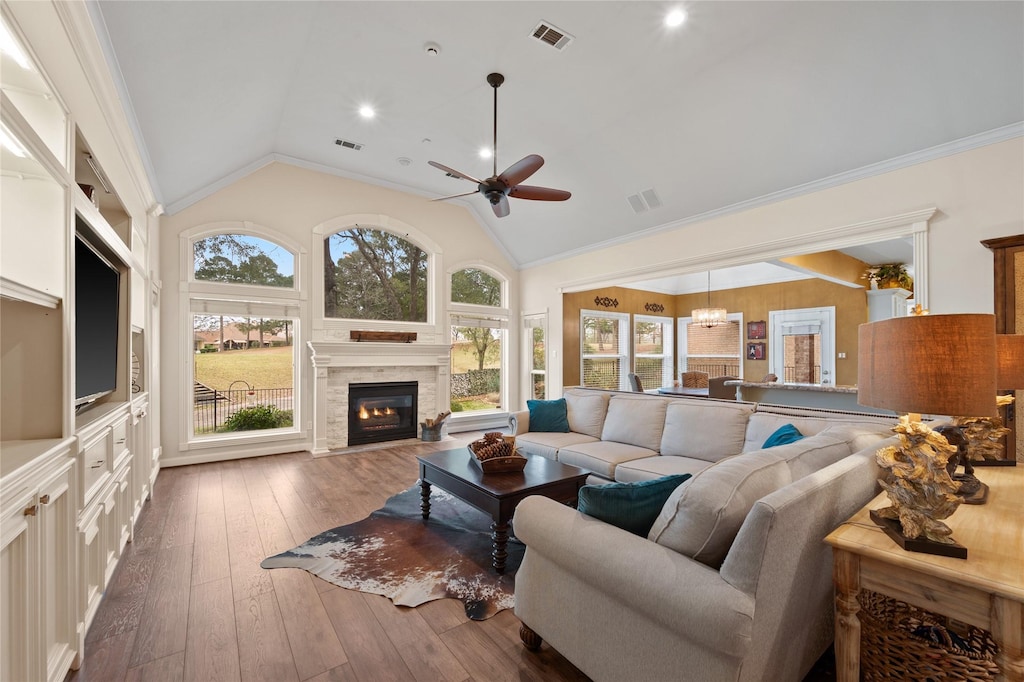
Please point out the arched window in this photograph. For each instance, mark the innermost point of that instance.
(371, 274)
(242, 259)
(242, 345)
(476, 287)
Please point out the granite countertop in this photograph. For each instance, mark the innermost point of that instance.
(823, 388)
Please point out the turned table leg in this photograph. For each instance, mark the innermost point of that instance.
(499, 538)
(425, 498)
(846, 576)
(531, 640)
(1008, 633)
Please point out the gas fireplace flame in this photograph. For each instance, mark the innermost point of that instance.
(377, 412)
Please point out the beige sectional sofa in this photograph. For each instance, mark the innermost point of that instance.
(733, 581)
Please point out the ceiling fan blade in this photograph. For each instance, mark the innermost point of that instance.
(538, 193)
(521, 169)
(454, 196)
(454, 172)
(501, 208)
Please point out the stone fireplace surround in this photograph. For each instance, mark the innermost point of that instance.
(336, 364)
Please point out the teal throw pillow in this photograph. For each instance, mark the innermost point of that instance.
(548, 415)
(630, 506)
(783, 436)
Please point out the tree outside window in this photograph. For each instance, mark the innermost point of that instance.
(374, 275)
(477, 340)
(243, 259)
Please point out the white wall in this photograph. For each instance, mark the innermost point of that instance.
(979, 195)
(291, 201)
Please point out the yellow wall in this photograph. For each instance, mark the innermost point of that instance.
(753, 302)
(628, 301)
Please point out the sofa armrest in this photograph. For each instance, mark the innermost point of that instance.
(519, 422)
(679, 593)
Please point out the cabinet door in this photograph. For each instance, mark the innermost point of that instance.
(18, 590)
(91, 563)
(57, 574)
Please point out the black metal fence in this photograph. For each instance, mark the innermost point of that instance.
(213, 407)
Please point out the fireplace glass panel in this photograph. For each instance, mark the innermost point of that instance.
(381, 412)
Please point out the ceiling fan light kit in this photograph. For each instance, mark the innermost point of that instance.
(499, 187)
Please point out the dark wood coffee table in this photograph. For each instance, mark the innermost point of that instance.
(497, 494)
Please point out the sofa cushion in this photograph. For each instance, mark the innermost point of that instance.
(635, 421)
(548, 416)
(654, 467)
(703, 515)
(787, 433)
(587, 410)
(601, 456)
(629, 506)
(548, 444)
(704, 429)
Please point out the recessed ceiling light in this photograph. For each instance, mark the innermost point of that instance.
(675, 18)
(485, 153)
(366, 111)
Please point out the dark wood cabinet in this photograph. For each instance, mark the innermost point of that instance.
(1008, 280)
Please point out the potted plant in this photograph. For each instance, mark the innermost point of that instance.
(890, 276)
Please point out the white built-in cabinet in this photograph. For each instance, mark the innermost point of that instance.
(38, 618)
(72, 481)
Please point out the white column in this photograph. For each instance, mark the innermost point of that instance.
(320, 364)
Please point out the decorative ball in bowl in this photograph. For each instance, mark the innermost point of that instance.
(496, 453)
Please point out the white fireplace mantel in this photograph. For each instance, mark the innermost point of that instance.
(335, 363)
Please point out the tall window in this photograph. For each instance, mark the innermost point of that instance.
(243, 373)
(242, 259)
(717, 351)
(605, 349)
(652, 350)
(534, 326)
(374, 275)
(479, 328)
(242, 347)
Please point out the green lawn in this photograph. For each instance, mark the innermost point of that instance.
(260, 367)
(464, 359)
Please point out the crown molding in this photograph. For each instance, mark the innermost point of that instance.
(984, 139)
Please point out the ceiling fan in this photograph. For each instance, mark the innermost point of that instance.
(498, 188)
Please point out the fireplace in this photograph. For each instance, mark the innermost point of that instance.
(381, 411)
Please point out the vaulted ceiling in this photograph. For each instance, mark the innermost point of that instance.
(743, 103)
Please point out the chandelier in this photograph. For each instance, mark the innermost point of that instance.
(709, 317)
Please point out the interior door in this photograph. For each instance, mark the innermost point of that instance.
(803, 345)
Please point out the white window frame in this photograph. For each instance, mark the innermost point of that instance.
(624, 355)
(666, 356)
(683, 322)
(530, 322)
(822, 318)
(491, 322)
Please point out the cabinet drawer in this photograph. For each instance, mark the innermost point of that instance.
(96, 459)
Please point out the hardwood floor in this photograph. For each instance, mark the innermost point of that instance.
(189, 600)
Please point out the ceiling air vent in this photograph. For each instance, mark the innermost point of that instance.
(644, 201)
(348, 144)
(555, 37)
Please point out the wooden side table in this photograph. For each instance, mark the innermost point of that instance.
(985, 590)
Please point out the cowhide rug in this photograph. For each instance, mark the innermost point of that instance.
(394, 552)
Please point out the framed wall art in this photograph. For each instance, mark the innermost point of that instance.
(756, 330)
(755, 351)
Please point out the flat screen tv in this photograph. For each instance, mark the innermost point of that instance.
(97, 286)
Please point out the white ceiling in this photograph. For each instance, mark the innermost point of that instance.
(745, 100)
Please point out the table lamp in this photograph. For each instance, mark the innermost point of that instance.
(934, 364)
(985, 434)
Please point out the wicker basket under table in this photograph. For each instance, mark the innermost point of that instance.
(890, 650)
